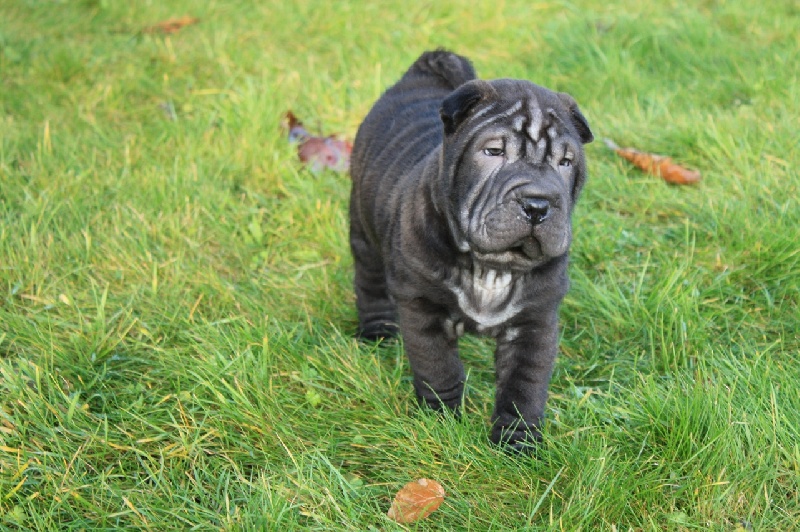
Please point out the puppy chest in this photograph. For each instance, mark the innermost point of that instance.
(485, 296)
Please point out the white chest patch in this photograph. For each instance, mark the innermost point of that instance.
(486, 296)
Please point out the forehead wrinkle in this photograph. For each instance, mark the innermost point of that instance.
(536, 119)
(529, 148)
(484, 111)
(494, 118)
(518, 123)
(541, 150)
(556, 122)
(558, 151)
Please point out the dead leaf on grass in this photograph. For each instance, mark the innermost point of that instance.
(417, 500)
(657, 165)
(316, 151)
(170, 26)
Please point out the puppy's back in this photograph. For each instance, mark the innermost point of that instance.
(403, 126)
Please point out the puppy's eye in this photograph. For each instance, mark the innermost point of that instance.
(566, 163)
(493, 152)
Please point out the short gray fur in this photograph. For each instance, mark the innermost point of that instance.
(460, 221)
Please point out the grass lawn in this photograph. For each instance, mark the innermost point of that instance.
(176, 309)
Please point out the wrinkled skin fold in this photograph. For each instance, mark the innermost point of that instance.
(460, 221)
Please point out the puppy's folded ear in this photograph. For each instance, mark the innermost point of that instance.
(456, 106)
(578, 120)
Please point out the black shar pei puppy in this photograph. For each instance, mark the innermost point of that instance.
(460, 222)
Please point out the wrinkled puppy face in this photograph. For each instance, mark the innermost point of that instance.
(514, 162)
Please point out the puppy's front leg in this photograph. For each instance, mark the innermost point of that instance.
(432, 353)
(524, 363)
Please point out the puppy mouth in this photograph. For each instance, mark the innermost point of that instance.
(520, 236)
(523, 256)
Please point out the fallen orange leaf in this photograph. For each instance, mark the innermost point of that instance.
(657, 165)
(172, 25)
(417, 500)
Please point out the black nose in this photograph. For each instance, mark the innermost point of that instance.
(536, 209)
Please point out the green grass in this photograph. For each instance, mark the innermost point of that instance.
(176, 311)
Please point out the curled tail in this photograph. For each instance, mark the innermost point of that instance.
(452, 70)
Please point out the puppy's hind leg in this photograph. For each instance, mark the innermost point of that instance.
(377, 318)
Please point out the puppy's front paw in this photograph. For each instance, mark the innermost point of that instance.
(443, 400)
(377, 330)
(519, 437)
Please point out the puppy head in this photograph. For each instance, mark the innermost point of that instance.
(513, 166)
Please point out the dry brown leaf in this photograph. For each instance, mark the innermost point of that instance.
(417, 500)
(317, 151)
(657, 165)
(172, 25)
